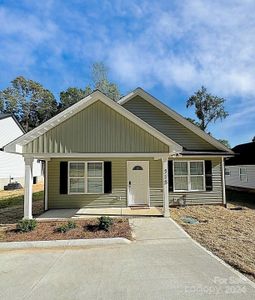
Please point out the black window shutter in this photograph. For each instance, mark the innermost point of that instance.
(208, 175)
(170, 176)
(107, 177)
(63, 177)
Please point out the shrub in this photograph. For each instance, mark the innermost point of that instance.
(71, 225)
(63, 228)
(26, 225)
(66, 227)
(105, 223)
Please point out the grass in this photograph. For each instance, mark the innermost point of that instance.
(227, 232)
(11, 204)
(18, 200)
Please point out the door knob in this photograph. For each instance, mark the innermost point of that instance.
(129, 182)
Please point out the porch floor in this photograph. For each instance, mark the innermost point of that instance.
(57, 214)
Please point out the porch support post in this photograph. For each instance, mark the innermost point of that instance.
(223, 181)
(165, 187)
(28, 188)
(46, 185)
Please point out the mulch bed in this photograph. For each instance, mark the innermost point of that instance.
(86, 229)
(227, 232)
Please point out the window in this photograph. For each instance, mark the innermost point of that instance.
(137, 168)
(227, 172)
(189, 176)
(243, 174)
(76, 178)
(95, 177)
(85, 177)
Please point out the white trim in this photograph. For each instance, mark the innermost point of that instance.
(77, 107)
(189, 176)
(28, 192)
(246, 175)
(148, 183)
(98, 155)
(152, 100)
(46, 186)
(223, 181)
(85, 178)
(165, 185)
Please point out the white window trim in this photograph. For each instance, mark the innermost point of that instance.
(85, 177)
(246, 175)
(189, 176)
(101, 177)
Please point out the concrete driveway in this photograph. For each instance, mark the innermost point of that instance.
(164, 263)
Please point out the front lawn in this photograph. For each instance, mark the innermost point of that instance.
(227, 232)
(53, 230)
(12, 202)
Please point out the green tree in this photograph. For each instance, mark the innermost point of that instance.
(71, 96)
(193, 121)
(29, 101)
(225, 143)
(99, 74)
(208, 108)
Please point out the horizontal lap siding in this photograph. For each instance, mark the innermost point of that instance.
(118, 197)
(210, 197)
(167, 125)
(96, 129)
(234, 178)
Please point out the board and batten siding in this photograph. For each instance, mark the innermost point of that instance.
(118, 197)
(234, 178)
(207, 197)
(167, 125)
(96, 129)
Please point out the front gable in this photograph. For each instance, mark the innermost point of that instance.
(170, 123)
(97, 128)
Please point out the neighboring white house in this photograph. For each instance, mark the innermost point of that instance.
(12, 166)
(240, 170)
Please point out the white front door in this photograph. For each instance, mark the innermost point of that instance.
(138, 183)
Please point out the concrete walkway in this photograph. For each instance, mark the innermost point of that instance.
(163, 263)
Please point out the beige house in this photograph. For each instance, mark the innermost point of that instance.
(137, 152)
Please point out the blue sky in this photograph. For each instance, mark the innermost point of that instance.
(169, 48)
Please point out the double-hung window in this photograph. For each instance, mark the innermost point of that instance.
(189, 176)
(86, 177)
(243, 174)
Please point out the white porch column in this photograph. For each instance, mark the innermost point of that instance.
(46, 185)
(165, 187)
(28, 188)
(223, 181)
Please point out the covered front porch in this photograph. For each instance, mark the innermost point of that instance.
(61, 214)
(111, 203)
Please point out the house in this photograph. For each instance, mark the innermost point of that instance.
(240, 170)
(12, 166)
(137, 152)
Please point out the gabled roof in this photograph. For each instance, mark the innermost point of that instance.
(16, 145)
(152, 100)
(244, 155)
(4, 116)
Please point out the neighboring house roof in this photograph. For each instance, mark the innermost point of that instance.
(244, 155)
(4, 116)
(16, 145)
(152, 100)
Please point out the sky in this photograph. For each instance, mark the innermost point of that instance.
(169, 48)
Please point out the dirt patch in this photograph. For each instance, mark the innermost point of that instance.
(227, 232)
(85, 229)
(13, 214)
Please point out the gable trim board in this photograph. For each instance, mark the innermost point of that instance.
(177, 117)
(16, 145)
